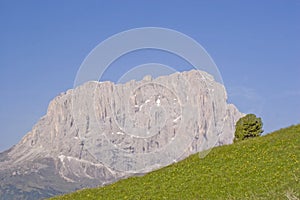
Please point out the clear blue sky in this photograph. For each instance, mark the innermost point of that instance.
(255, 44)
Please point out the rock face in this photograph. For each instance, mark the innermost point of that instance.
(101, 132)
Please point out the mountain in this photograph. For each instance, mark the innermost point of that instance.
(101, 132)
(266, 167)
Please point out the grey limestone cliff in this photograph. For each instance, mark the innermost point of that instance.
(101, 132)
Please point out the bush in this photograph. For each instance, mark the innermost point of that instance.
(248, 126)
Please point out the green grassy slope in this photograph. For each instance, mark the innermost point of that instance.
(267, 167)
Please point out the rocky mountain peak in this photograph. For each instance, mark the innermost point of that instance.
(100, 132)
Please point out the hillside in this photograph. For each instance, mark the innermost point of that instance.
(261, 168)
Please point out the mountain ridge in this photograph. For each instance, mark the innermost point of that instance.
(101, 132)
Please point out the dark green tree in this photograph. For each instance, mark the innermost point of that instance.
(248, 126)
